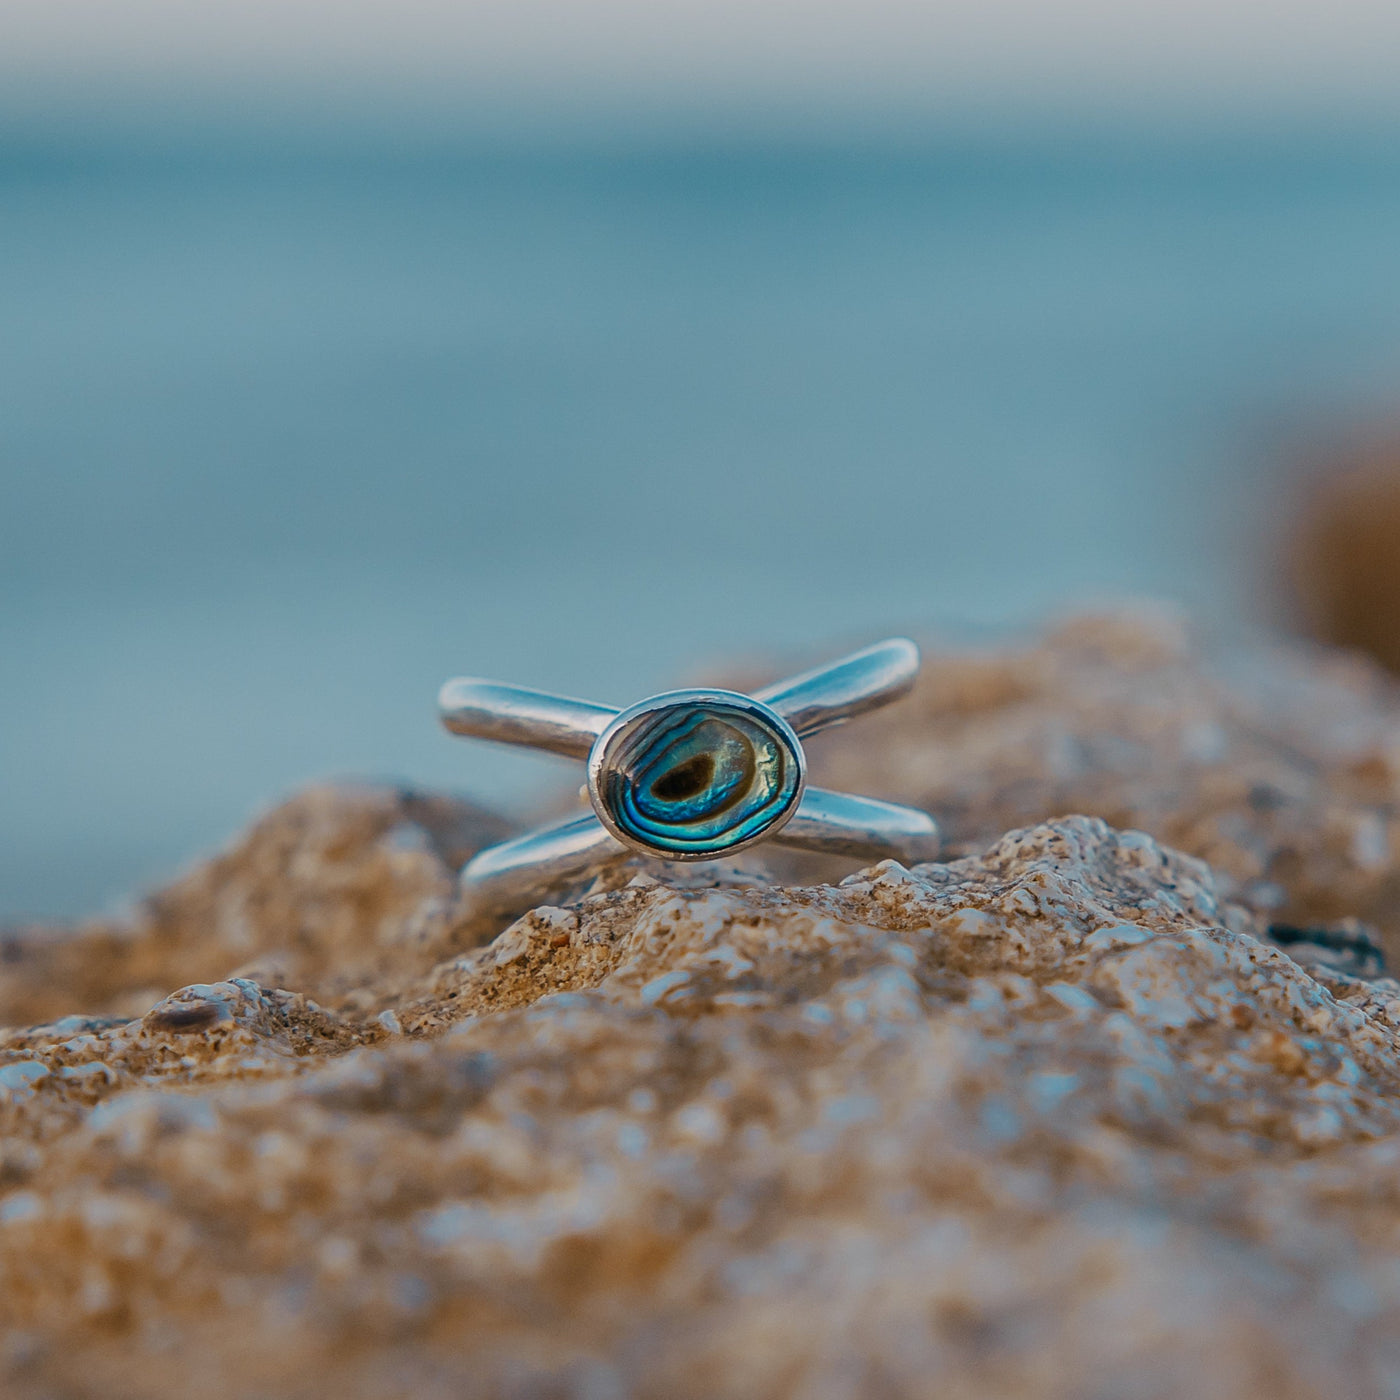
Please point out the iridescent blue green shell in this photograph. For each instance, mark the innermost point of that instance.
(698, 777)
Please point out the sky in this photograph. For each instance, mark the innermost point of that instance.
(808, 57)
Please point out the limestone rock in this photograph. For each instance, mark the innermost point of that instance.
(1280, 767)
(1341, 566)
(1050, 1119)
(342, 892)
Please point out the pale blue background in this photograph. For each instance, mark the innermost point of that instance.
(290, 434)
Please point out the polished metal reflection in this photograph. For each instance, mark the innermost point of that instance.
(689, 775)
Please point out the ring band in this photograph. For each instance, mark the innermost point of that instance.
(689, 775)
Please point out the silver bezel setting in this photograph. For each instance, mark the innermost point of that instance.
(600, 764)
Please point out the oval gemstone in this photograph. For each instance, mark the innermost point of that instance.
(696, 779)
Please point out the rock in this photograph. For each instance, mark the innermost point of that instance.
(1053, 1118)
(1342, 563)
(342, 892)
(1279, 766)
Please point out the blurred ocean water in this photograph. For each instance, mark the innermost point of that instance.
(289, 435)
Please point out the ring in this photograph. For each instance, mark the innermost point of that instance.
(689, 775)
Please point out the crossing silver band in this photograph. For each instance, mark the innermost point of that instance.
(689, 775)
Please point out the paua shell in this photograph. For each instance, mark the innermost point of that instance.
(692, 775)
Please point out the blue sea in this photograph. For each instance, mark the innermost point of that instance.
(291, 432)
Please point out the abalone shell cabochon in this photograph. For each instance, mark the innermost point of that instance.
(695, 774)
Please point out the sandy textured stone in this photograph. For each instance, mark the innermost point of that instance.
(1280, 767)
(1341, 566)
(343, 893)
(1050, 1119)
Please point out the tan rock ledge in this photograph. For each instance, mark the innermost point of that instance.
(1051, 1119)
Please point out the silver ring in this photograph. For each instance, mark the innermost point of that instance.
(689, 775)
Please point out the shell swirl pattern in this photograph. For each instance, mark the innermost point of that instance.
(694, 778)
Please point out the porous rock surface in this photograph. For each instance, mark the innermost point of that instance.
(1341, 568)
(1278, 766)
(1052, 1118)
